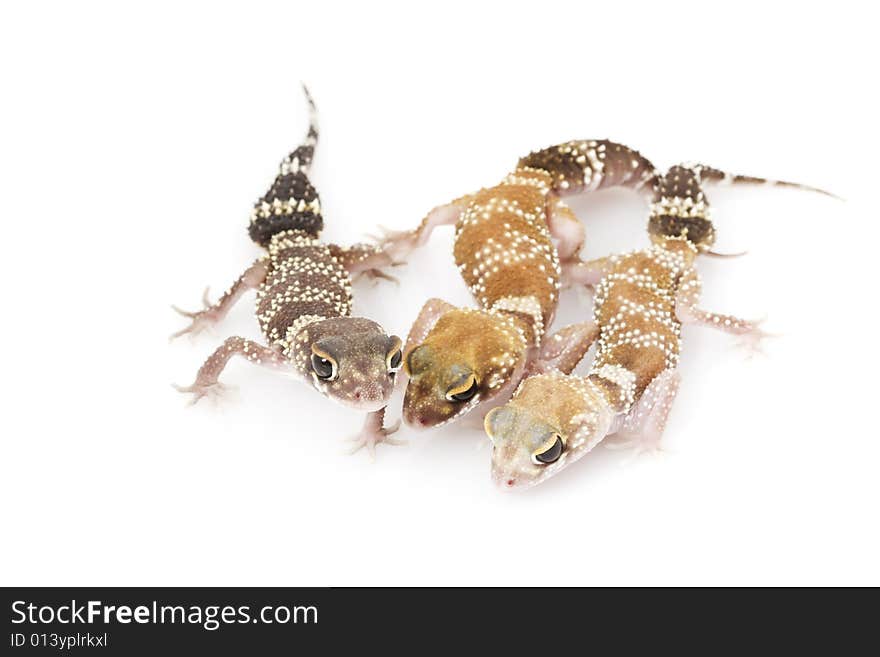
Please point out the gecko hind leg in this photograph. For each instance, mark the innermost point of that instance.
(251, 279)
(372, 433)
(642, 427)
(207, 380)
(583, 273)
(398, 244)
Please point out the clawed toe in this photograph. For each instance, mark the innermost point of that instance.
(639, 444)
(369, 438)
(213, 390)
(374, 275)
(200, 319)
(752, 341)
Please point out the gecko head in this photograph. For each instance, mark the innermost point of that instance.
(351, 360)
(552, 421)
(466, 359)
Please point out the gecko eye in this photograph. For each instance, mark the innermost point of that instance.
(325, 368)
(551, 454)
(394, 360)
(394, 357)
(463, 393)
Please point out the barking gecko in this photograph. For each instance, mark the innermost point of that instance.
(304, 303)
(459, 358)
(641, 300)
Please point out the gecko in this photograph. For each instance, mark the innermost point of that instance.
(304, 304)
(641, 300)
(459, 359)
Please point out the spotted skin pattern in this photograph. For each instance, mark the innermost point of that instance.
(641, 300)
(304, 303)
(458, 359)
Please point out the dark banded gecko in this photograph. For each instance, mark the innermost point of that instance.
(304, 303)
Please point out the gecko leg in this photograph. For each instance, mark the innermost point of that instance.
(567, 229)
(398, 244)
(433, 310)
(362, 260)
(643, 426)
(207, 383)
(688, 312)
(587, 274)
(372, 433)
(251, 279)
(564, 349)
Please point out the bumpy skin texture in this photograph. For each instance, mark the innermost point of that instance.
(304, 301)
(504, 251)
(588, 165)
(641, 300)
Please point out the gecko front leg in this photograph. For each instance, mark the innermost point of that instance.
(207, 378)
(251, 279)
(431, 311)
(373, 433)
(563, 350)
(688, 312)
(362, 260)
(642, 428)
(565, 227)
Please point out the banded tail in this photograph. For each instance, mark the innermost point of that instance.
(588, 165)
(292, 203)
(712, 175)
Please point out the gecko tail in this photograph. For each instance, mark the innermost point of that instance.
(292, 203)
(590, 164)
(712, 175)
(300, 160)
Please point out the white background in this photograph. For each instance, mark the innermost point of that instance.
(134, 142)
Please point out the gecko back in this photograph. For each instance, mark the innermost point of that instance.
(504, 251)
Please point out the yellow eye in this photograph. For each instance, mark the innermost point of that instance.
(464, 392)
(550, 452)
(395, 357)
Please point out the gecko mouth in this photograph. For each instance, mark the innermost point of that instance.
(367, 405)
(506, 480)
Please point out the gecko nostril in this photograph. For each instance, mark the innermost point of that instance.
(510, 482)
(357, 395)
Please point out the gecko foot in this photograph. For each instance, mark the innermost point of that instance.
(751, 339)
(375, 274)
(647, 442)
(211, 390)
(370, 436)
(579, 273)
(397, 244)
(201, 319)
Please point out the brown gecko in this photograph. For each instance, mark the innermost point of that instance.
(459, 358)
(642, 298)
(304, 304)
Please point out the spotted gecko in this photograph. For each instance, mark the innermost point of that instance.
(460, 358)
(641, 300)
(304, 304)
